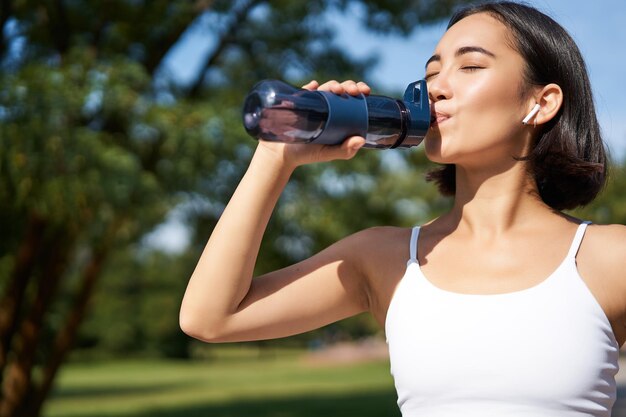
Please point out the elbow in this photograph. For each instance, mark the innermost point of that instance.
(187, 325)
(197, 328)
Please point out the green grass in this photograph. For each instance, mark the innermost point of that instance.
(235, 382)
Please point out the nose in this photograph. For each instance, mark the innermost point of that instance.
(439, 88)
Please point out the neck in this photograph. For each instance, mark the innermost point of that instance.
(494, 201)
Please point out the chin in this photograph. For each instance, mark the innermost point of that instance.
(433, 148)
(444, 151)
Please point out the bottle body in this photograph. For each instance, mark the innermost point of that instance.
(276, 111)
(386, 125)
(281, 113)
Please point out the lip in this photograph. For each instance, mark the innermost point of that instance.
(436, 118)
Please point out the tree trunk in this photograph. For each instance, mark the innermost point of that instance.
(13, 298)
(67, 335)
(158, 49)
(5, 11)
(16, 388)
(226, 39)
(59, 26)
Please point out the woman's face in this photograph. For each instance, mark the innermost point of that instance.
(474, 80)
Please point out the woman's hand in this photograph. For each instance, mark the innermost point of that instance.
(294, 154)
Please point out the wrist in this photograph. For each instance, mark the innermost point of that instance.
(272, 159)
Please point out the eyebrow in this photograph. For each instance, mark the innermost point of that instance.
(462, 51)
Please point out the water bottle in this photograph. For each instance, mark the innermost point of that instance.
(276, 111)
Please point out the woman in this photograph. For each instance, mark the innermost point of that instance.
(503, 306)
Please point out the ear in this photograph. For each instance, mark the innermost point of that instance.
(550, 98)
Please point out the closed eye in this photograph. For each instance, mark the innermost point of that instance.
(471, 68)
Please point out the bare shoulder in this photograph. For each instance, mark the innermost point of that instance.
(607, 244)
(383, 253)
(382, 234)
(381, 244)
(371, 252)
(602, 261)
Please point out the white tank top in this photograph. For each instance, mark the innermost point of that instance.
(548, 350)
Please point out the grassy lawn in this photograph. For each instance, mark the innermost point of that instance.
(235, 382)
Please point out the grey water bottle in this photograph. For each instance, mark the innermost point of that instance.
(276, 111)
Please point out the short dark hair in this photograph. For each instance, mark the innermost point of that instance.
(568, 159)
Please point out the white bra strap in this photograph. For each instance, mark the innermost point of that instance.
(413, 246)
(578, 238)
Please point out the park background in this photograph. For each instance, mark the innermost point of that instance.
(120, 144)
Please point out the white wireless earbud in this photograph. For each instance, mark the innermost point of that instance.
(533, 112)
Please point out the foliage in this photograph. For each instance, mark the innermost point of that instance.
(98, 142)
(610, 205)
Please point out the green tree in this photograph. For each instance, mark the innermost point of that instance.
(610, 205)
(98, 143)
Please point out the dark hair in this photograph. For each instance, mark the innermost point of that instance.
(568, 159)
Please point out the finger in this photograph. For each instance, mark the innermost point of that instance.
(332, 86)
(311, 85)
(363, 87)
(348, 148)
(350, 87)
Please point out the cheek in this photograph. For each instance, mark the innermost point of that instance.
(493, 95)
(491, 106)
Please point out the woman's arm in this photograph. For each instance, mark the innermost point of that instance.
(222, 301)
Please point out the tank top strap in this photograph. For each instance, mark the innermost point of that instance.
(413, 244)
(578, 238)
(573, 250)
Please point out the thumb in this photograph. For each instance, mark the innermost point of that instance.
(349, 147)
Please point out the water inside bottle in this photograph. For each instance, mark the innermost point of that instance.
(292, 118)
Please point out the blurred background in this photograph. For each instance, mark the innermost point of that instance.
(120, 144)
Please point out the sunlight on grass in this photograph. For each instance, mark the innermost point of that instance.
(236, 381)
